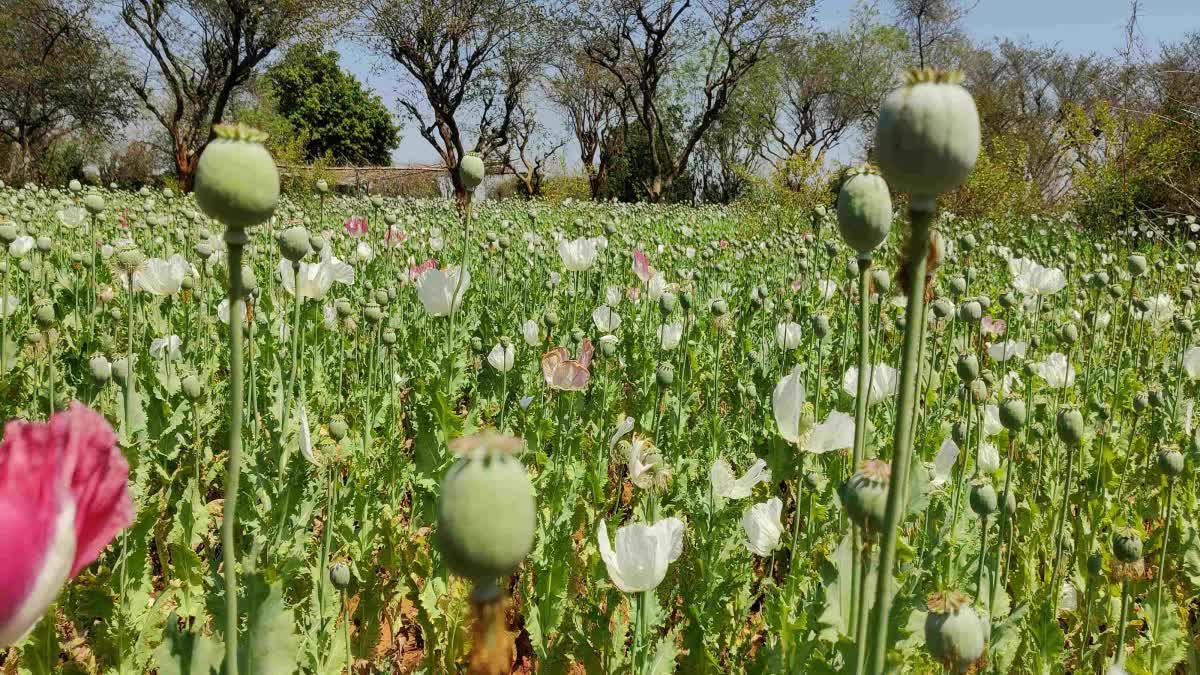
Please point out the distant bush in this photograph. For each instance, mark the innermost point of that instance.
(559, 188)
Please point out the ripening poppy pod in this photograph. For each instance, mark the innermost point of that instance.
(236, 179)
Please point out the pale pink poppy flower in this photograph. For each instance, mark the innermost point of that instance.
(64, 495)
(356, 226)
(990, 326)
(563, 373)
(394, 238)
(641, 266)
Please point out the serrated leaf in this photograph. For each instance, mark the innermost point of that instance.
(270, 645)
(187, 653)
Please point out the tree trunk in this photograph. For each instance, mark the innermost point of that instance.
(185, 166)
(460, 191)
(655, 189)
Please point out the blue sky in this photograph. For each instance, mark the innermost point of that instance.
(1076, 26)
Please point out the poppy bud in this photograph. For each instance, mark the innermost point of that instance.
(338, 428)
(1170, 462)
(1070, 426)
(984, 501)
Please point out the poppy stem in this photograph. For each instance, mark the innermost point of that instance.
(235, 240)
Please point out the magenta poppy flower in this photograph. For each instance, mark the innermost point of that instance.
(356, 226)
(64, 495)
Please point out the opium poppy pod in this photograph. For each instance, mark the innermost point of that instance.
(63, 497)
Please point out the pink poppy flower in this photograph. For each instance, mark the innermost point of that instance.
(416, 272)
(563, 373)
(724, 244)
(393, 238)
(64, 495)
(641, 266)
(990, 326)
(356, 226)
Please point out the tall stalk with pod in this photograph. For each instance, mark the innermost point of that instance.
(927, 140)
(237, 184)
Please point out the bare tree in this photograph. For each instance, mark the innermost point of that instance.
(591, 101)
(202, 51)
(465, 57)
(643, 44)
(530, 150)
(931, 25)
(58, 74)
(829, 84)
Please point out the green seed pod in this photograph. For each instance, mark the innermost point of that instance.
(192, 388)
(927, 135)
(967, 367)
(94, 204)
(984, 500)
(979, 391)
(44, 314)
(550, 318)
(1012, 414)
(1156, 398)
(486, 512)
(1140, 402)
(881, 280)
(236, 180)
(1009, 505)
(955, 634)
(1170, 462)
(666, 303)
(339, 576)
(343, 307)
(966, 243)
(1136, 264)
(942, 308)
(389, 337)
(101, 369)
(471, 171)
(958, 285)
(8, 233)
(970, 312)
(864, 210)
(864, 495)
(1070, 426)
(338, 428)
(316, 242)
(1095, 564)
(665, 374)
(958, 432)
(1183, 326)
(120, 371)
(1127, 545)
(820, 326)
(322, 186)
(294, 243)
(373, 313)
(1068, 334)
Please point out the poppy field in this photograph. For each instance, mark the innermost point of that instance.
(329, 433)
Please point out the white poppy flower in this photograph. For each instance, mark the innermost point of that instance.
(828, 289)
(763, 526)
(1003, 351)
(328, 316)
(162, 277)
(531, 333)
(363, 252)
(613, 295)
(1069, 599)
(1031, 279)
(645, 464)
(989, 458)
(623, 427)
(656, 287)
(167, 347)
(578, 255)
(786, 402)
(787, 335)
(1056, 371)
(1192, 363)
(502, 357)
(21, 246)
(885, 381)
(606, 319)
(306, 447)
(1161, 309)
(9, 306)
(991, 420)
(835, 433)
(436, 289)
(943, 463)
(669, 335)
(642, 553)
(725, 485)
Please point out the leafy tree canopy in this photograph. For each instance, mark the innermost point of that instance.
(340, 117)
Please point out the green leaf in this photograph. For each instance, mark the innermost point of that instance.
(187, 653)
(270, 645)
